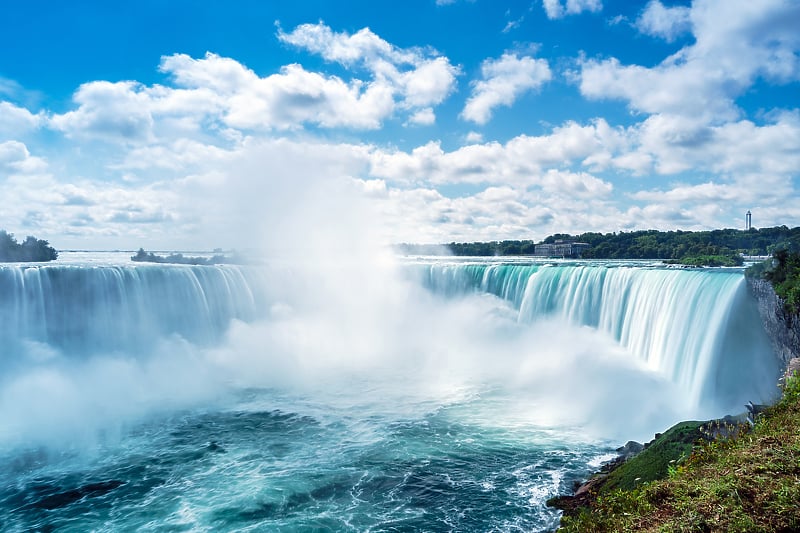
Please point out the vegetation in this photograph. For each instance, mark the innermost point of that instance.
(31, 249)
(783, 272)
(723, 247)
(744, 483)
(142, 256)
(730, 260)
(785, 279)
(655, 461)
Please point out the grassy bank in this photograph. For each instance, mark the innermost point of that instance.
(749, 483)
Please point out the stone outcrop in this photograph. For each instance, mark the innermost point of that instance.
(791, 370)
(783, 328)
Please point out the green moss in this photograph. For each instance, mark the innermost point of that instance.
(654, 462)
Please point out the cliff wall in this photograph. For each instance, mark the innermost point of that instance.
(783, 328)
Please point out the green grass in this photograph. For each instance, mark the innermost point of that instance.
(655, 461)
(750, 483)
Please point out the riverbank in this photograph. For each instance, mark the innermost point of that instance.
(746, 481)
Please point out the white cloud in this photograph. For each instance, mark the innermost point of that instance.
(504, 80)
(214, 94)
(419, 77)
(685, 194)
(679, 144)
(222, 75)
(513, 24)
(181, 155)
(574, 184)
(218, 93)
(473, 137)
(115, 111)
(678, 86)
(429, 83)
(16, 159)
(423, 117)
(522, 161)
(364, 46)
(296, 96)
(737, 41)
(665, 22)
(38, 202)
(555, 9)
(15, 121)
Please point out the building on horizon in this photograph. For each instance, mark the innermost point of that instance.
(563, 249)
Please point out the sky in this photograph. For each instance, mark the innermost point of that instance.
(196, 124)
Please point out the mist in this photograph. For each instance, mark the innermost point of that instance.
(344, 326)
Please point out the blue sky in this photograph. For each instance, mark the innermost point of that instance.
(196, 124)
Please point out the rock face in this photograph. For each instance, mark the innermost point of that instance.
(791, 370)
(783, 329)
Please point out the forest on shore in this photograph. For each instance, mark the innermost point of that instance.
(31, 249)
(677, 246)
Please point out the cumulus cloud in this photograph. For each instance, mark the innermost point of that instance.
(16, 159)
(575, 184)
(504, 80)
(296, 96)
(473, 137)
(15, 121)
(678, 144)
(220, 94)
(737, 41)
(523, 160)
(107, 214)
(556, 9)
(419, 77)
(119, 111)
(423, 117)
(665, 22)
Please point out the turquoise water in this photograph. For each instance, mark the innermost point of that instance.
(428, 395)
(293, 470)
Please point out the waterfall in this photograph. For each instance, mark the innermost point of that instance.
(697, 327)
(81, 310)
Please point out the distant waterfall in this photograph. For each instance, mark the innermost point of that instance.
(81, 310)
(699, 328)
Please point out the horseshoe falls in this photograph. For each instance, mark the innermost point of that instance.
(306, 395)
(698, 328)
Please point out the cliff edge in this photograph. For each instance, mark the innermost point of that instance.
(782, 327)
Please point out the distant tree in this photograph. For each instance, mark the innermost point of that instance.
(178, 258)
(31, 249)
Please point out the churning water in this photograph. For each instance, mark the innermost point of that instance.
(416, 394)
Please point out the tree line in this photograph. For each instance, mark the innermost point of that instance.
(31, 249)
(180, 259)
(646, 244)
